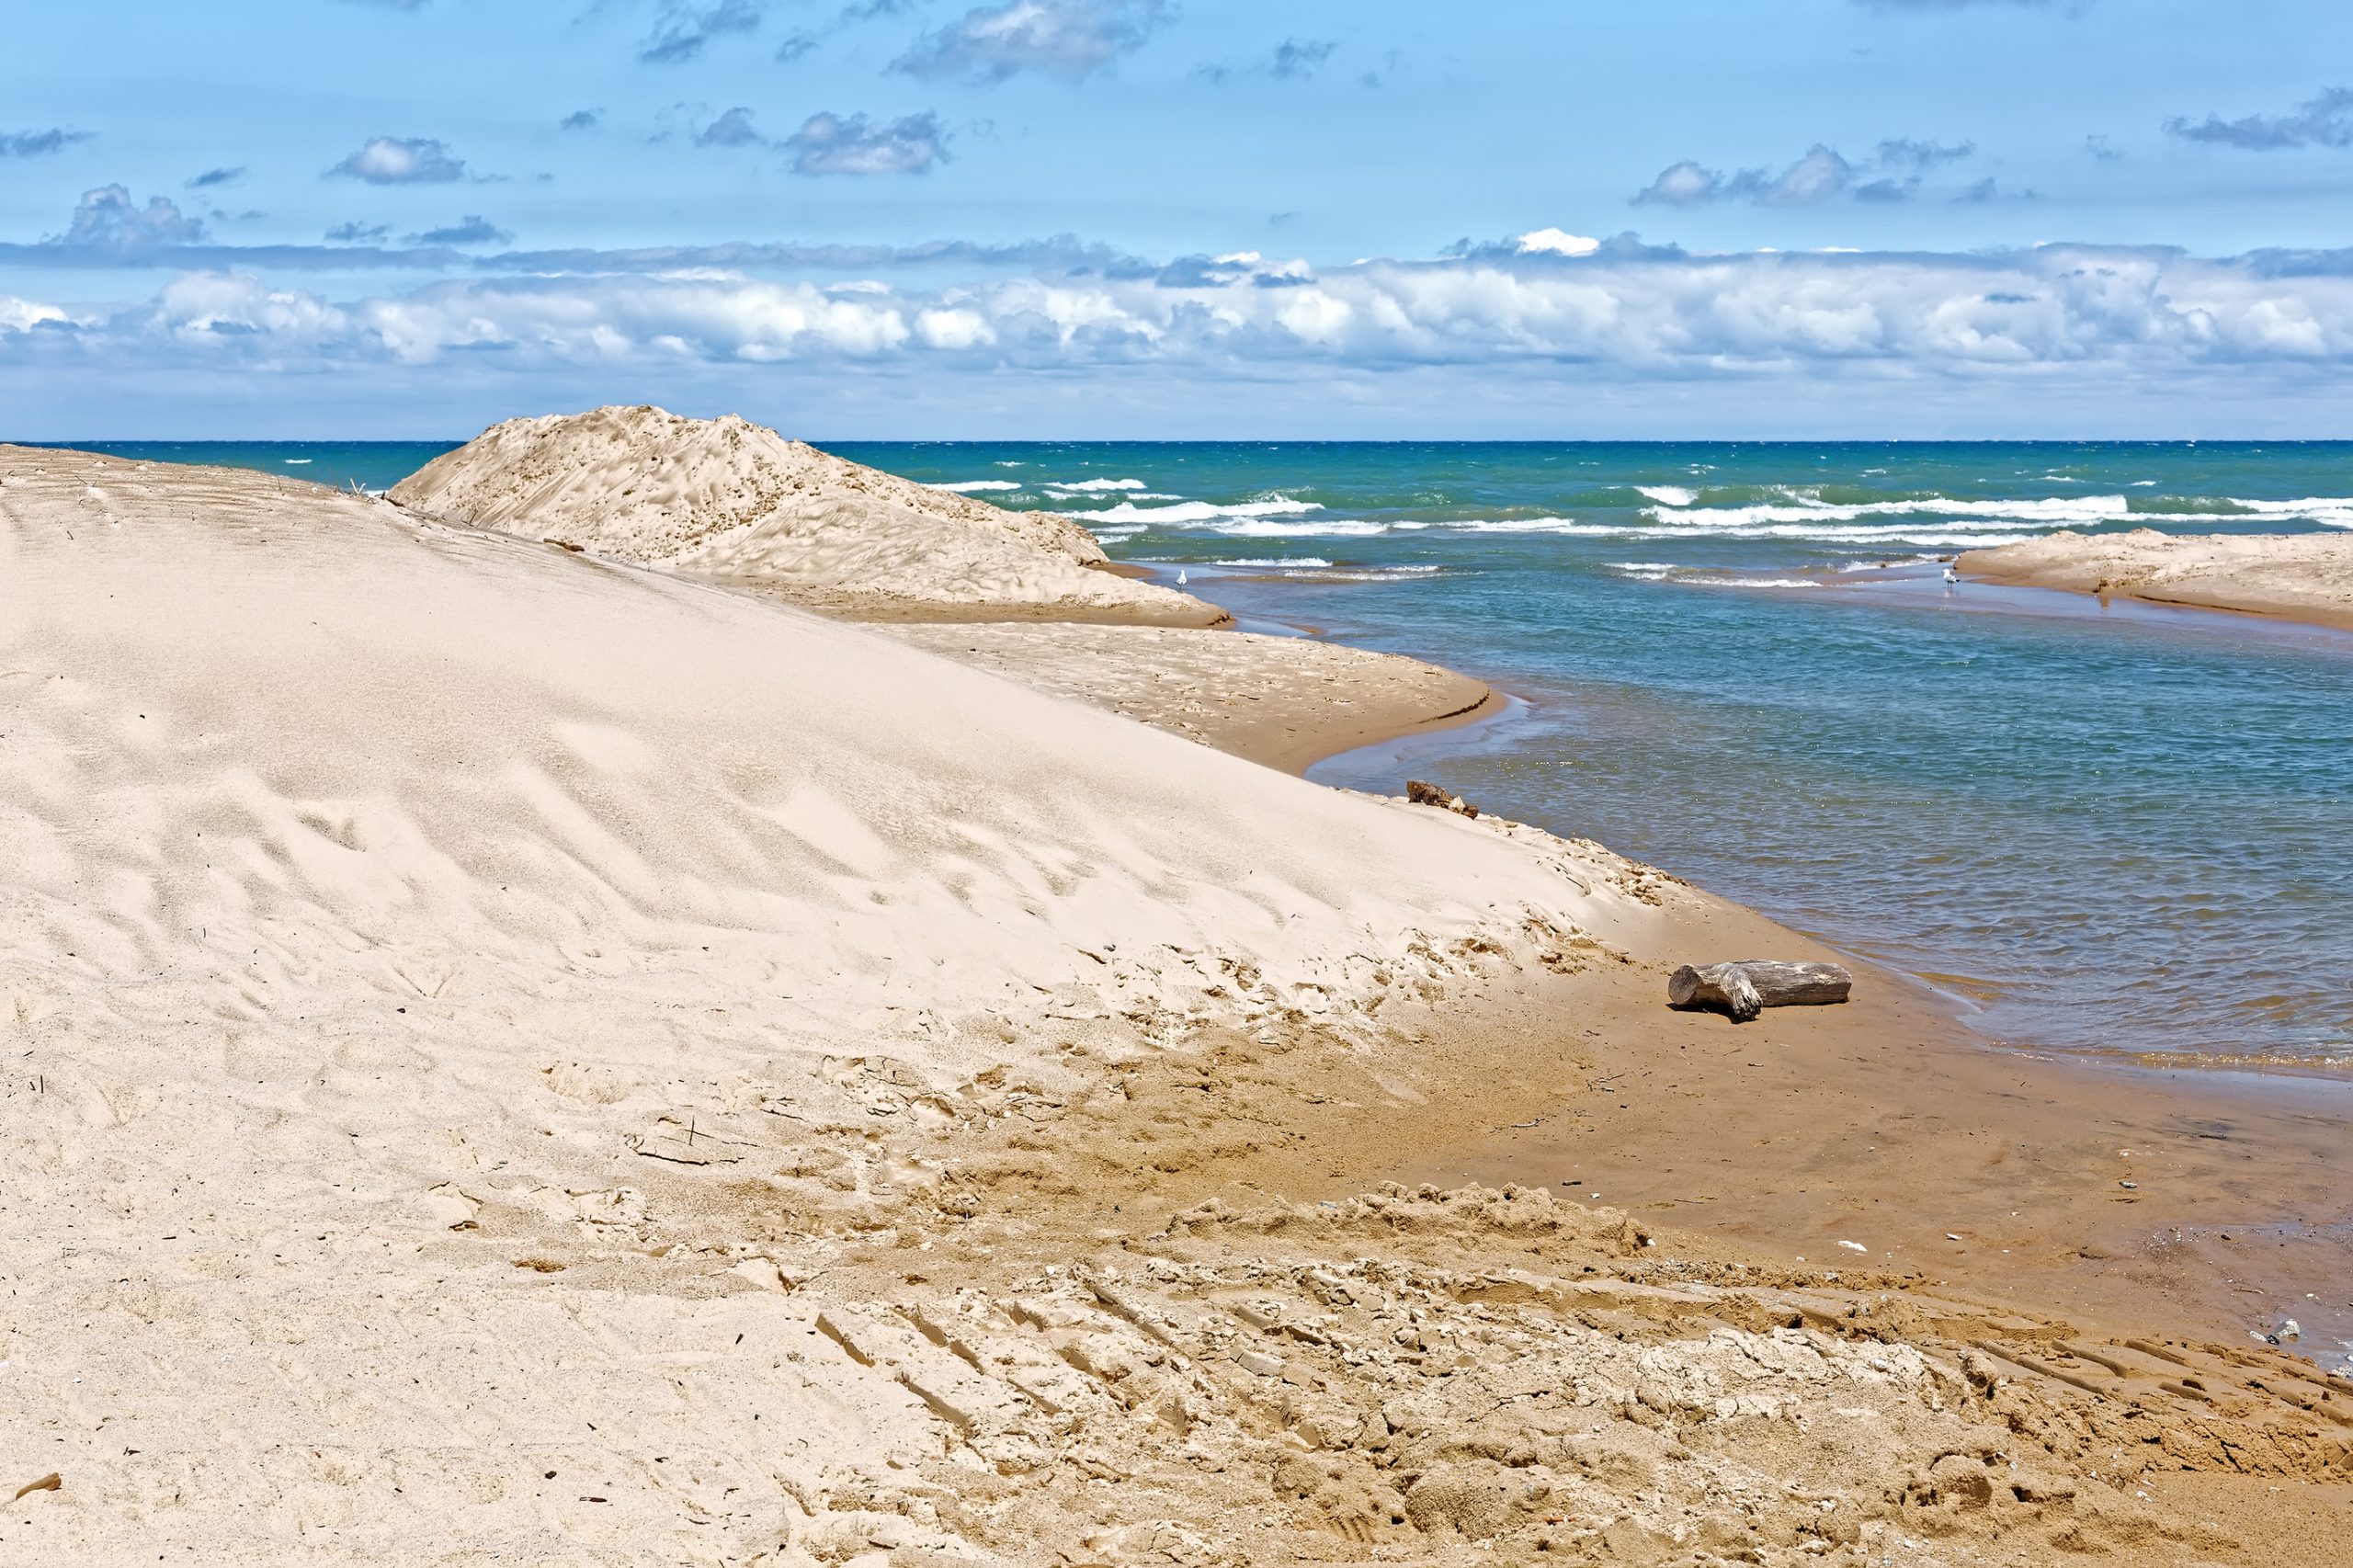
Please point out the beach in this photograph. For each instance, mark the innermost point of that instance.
(525, 1053)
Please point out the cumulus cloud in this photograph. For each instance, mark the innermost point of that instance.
(211, 179)
(472, 230)
(682, 31)
(1554, 242)
(1068, 38)
(34, 144)
(107, 219)
(732, 129)
(24, 316)
(392, 160)
(582, 119)
(852, 145)
(1819, 175)
(2322, 121)
(1892, 173)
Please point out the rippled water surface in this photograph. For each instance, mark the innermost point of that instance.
(2128, 829)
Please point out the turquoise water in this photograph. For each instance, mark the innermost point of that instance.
(2125, 829)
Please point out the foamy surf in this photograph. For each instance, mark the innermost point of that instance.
(1199, 512)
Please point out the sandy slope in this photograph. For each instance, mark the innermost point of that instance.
(729, 499)
(2299, 577)
(512, 1058)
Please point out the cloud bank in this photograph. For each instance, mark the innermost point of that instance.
(1611, 313)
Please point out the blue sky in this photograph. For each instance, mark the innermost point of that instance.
(1072, 218)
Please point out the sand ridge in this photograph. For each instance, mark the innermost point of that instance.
(732, 500)
(2306, 576)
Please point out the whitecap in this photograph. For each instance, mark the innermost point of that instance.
(1669, 494)
(1082, 486)
(1275, 561)
(965, 486)
(2334, 511)
(294, 463)
(1199, 511)
(1265, 527)
(1537, 525)
(2054, 511)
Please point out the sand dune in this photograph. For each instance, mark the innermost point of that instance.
(729, 499)
(2296, 576)
(512, 1057)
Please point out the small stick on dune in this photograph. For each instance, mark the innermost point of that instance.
(1749, 985)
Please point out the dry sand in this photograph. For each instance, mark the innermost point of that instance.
(510, 1057)
(733, 501)
(2296, 576)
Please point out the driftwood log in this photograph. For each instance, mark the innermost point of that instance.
(1745, 987)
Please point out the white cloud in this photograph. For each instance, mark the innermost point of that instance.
(852, 145)
(244, 314)
(394, 160)
(1555, 241)
(1900, 164)
(23, 315)
(108, 219)
(1680, 185)
(1069, 39)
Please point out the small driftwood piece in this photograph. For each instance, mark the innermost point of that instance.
(1746, 987)
(1423, 795)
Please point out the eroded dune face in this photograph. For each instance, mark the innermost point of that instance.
(731, 499)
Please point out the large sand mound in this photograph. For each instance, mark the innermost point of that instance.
(2300, 576)
(727, 498)
(514, 1058)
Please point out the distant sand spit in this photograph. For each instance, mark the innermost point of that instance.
(511, 1056)
(2295, 576)
(728, 499)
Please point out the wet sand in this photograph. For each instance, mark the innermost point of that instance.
(1283, 701)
